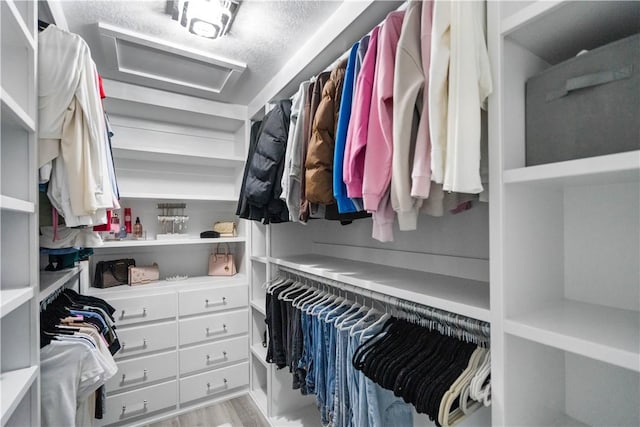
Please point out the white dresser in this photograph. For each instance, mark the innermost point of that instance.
(183, 344)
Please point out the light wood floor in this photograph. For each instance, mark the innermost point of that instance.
(238, 412)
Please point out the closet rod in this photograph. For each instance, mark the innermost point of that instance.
(444, 318)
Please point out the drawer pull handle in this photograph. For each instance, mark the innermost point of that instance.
(144, 374)
(224, 357)
(222, 386)
(144, 407)
(224, 301)
(144, 314)
(209, 332)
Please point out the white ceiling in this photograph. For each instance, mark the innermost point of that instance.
(264, 35)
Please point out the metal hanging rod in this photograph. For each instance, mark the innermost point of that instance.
(445, 322)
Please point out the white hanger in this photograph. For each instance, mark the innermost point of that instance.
(295, 287)
(446, 417)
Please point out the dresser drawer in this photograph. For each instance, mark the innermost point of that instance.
(136, 309)
(142, 371)
(212, 299)
(209, 356)
(214, 382)
(139, 403)
(146, 339)
(215, 326)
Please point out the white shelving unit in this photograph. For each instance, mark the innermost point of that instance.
(170, 242)
(565, 238)
(51, 281)
(11, 299)
(19, 358)
(467, 297)
(14, 386)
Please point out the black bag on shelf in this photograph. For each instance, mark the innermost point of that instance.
(113, 273)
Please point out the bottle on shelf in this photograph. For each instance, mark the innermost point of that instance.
(137, 229)
(127, 220)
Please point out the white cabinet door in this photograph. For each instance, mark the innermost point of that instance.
(143, 308)
(212, 299)
(214, 383)
(146, 339)
(141, 371)
(213, 327)
(211, 355)
(127, 406)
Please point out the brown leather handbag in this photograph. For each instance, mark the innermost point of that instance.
(112, 273)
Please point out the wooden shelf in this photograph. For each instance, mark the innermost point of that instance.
(599, 332)
(558, 30)
(13, 387)
(260, 353)
(11, 299)
(168, 242)
(613, 168)
(177, 156)
(51, 281)
(17, 205)
(259, 306)
(13, 113)
(466, 297)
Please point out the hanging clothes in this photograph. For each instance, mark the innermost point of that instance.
(262, 187)
(345, 205)
(71, 125)
(294, 159)
(378, 158)
(357, 137)
(459, 83)
(78, 341)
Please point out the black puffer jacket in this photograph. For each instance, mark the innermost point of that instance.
(265, 167)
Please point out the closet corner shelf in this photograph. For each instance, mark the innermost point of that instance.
(50, 281)
(17, 205)
(527, 14)
(168, 242)
(184, 196)
(262, 259)
(13, 386)
(13, 113)
(260, 353)
(612, 168)
(11, 299)
(462, 296)
(177, 156)
(556, 30)
(259, 306)
(596, 331)
(162, 284)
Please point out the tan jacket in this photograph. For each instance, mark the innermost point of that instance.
(319, 161)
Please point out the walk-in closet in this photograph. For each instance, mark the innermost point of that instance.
(313, 213)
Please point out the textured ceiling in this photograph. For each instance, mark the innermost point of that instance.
(264, 35)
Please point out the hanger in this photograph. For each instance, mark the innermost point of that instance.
(42, 25)
(446, 417)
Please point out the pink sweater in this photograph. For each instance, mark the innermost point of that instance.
(378, 158)
(356, 145)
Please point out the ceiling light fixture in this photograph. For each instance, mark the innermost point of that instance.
(205, 18)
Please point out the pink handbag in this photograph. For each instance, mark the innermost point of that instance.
(222, 264)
